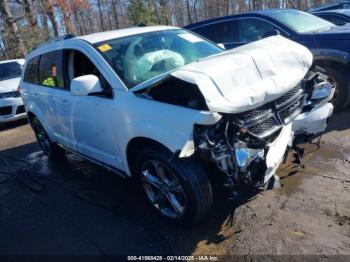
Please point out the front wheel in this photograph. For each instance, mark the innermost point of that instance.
(178, 189)
(49, 148)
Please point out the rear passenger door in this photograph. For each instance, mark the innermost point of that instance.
(56, 93)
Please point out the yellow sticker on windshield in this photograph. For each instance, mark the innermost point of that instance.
(105, 48)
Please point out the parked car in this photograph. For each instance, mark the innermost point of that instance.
(329, 44)
(160, 103)
(11, 105)
(331, 6)
(338, 17)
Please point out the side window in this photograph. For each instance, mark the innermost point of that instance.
(345, 6)
(51, 69)
(221, 32)
(252, 29)
(334, 19)
(78, 64)
(31, 73)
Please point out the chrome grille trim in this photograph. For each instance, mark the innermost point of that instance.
(267, 119)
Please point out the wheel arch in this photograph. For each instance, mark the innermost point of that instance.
(339, 65)
(30, 116)
(134, 148)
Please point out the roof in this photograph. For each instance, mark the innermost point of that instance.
(21, 61)
(103, 36)
(262, 13)
(321, 7)
(336, 11)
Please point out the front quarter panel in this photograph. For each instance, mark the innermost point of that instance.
(170, 125)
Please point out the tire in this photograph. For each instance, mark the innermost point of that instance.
(50, 149)
(184, 179)
(339, 79)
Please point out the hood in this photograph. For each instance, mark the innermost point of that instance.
(246, 77)
(9, 85)
(335, 33)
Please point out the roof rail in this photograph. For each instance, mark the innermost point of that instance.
(56, 39)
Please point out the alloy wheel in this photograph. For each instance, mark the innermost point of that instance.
(163, 189)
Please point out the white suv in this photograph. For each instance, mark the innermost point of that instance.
(161, 104)
(11, 105)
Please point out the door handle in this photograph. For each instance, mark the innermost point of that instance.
(62, 101)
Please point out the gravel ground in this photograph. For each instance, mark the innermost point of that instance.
(83, 209)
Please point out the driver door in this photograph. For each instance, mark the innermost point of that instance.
(93, 127)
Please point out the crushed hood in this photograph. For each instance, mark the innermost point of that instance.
(9, 85)
(246, 77)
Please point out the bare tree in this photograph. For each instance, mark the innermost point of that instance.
(13, 28)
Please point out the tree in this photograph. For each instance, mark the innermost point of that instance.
(141, 12)
(13, 28)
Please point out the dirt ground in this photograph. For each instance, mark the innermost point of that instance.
(74, 207)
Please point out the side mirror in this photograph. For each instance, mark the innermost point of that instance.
(271, 33)
(221, 46)
(85, 85)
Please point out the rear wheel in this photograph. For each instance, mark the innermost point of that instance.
(49, 148)
(338, 78)
(178, 189)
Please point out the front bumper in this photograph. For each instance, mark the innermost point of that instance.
(313, 122)
(11, 109)
(277, 150)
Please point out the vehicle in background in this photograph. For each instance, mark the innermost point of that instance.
(330, 44)
(338, 17)
(331, 6)
(11, 104)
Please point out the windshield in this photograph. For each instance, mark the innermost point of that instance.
(301, 22)
(138, 58)
(10, 70)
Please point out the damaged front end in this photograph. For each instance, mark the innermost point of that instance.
(259, 98)
(248, 147)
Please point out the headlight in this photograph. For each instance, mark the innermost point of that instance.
(244, 155)
(13, 94)
(321, 91)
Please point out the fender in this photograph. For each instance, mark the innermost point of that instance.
(331, 55)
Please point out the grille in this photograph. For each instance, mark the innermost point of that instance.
(257, 112)
(266, 119)
(20, 110)
(290, 95)
(7, 110)
(286, 114)
(14, 94)
(264, 127)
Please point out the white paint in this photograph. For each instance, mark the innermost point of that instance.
(277, 150)
(313, 122)
(10, 85)
(85, 85)
(248, 76)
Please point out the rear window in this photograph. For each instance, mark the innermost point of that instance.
(10, 70)
(51, 69)
(31, 73)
